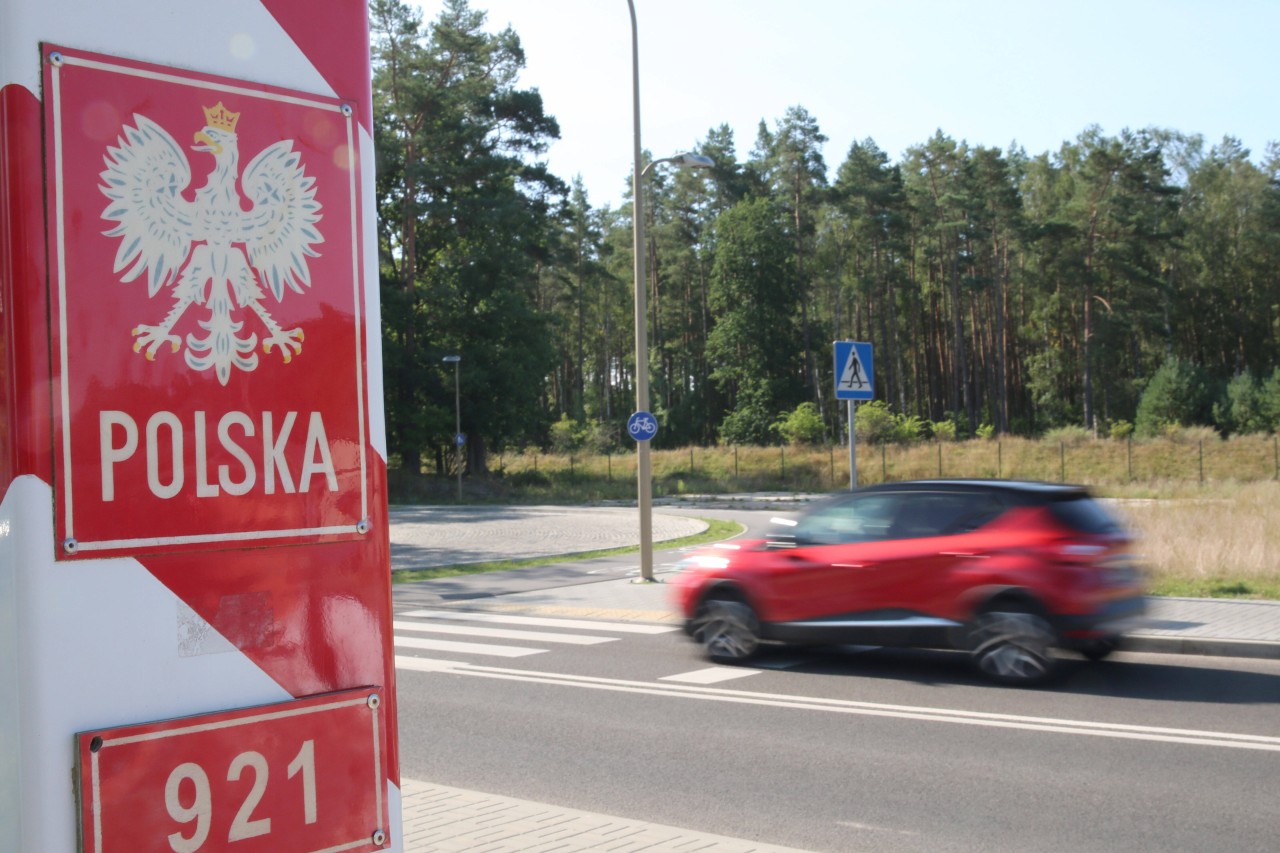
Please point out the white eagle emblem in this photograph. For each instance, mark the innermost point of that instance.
(208, 249)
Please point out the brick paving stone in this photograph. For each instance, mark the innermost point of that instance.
(487, 823)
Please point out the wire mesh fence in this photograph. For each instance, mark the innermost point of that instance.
(1096, 462)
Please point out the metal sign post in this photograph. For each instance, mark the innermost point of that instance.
(195, 603)
(855, 380)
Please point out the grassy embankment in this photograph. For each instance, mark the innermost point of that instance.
(1207, 511)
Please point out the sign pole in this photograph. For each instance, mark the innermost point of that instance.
(853, 450)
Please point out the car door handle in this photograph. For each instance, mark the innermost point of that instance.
(853, 565)
(968, 554)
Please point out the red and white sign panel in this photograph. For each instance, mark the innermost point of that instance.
(207, 309)
(306, 775)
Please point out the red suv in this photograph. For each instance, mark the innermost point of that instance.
(1005, 570)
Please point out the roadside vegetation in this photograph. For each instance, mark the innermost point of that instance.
(1104, 312)
(1207, 510)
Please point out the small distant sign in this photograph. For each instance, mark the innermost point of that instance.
(460, 439)
(855, 377)
(642, 426)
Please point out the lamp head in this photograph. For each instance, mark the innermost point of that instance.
(693, 161)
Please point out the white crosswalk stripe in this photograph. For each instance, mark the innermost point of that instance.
(543, 622)
(465, 648)
(501, 633)
(433, 631)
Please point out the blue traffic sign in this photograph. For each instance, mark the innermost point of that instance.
(642, 426)
(460, 439)
(855, 376)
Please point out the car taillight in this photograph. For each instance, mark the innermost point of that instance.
(1112, 567)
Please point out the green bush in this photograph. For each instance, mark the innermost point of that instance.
(601, 437)
(750, 422)
(566, 435)
(1120, 430)
(1270, 401)
(802, 426)
(876, 424)
(1176, 396)
(1071, 436)
(909, 428)
(1249, 405)
(873, 422)
(943, 430)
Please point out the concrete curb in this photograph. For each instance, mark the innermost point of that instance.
(1209, 646)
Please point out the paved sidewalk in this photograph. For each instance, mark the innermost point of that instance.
(440, 819)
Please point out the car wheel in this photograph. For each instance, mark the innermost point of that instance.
(1012, 645)
(728, 630)
(1096, 650)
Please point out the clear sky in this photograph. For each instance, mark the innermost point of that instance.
(989, 72)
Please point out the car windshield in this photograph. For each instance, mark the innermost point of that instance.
(893, 515)
(861, 519)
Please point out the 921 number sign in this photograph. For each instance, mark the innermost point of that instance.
(305, 775)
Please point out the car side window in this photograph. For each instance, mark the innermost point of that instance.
(866, 518)
(943, 513)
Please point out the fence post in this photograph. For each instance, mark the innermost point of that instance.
(782, 455)
(1130, 457)
(691, 460)
(1062, 463)
(571, 474)
(999, 459)
(608, 456)
(939, 458)
(735, 464)
(831, 452)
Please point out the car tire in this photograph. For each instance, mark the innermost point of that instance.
(1011, 644)
(728, 629)
(1101, 648)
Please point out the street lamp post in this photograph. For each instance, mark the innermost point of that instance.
(644, 474)
(457, 419)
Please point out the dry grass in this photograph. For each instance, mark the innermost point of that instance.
(1225, 542)
(1207, 510)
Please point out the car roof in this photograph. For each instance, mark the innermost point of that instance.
(1028, 487)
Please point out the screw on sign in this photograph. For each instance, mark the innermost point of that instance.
(642, 426)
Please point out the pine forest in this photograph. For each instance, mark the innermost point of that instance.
(1126, 283)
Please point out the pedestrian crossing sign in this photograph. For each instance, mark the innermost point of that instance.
(855, 379)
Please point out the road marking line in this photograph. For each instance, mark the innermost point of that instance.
(425, 664)
(502, 634)
(538, 621)
(465, 648)
(711, 675)
(904, 712)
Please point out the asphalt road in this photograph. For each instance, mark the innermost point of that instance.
(845, 750)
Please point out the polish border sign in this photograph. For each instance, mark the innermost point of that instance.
(207, 312)
(304, 775)
(854, 371)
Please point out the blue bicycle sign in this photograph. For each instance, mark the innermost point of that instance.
(642, 426)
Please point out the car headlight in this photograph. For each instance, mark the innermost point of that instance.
(702, 561)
